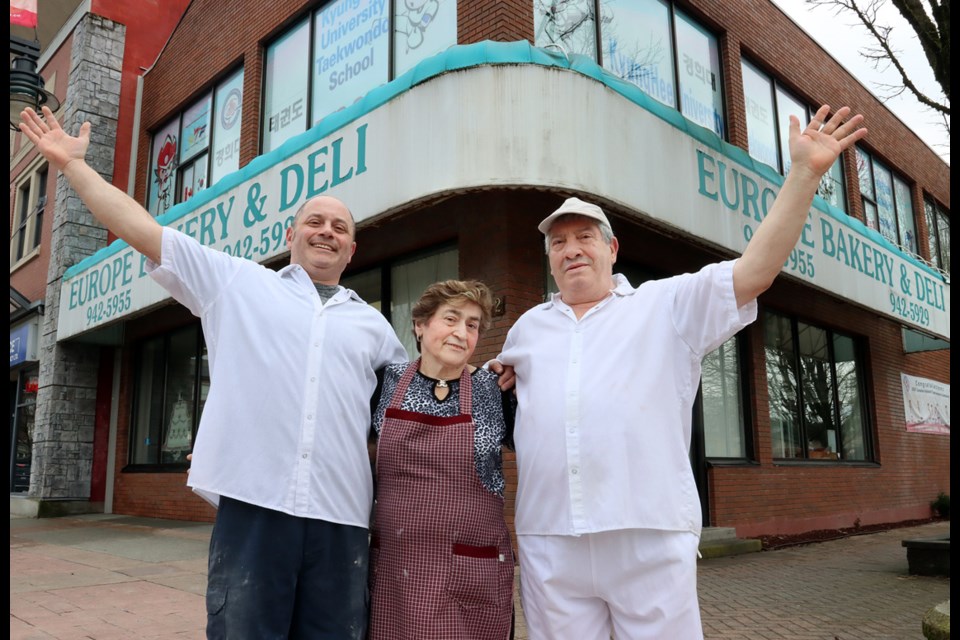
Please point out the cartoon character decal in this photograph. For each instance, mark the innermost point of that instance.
(166, 165)
(414, 18)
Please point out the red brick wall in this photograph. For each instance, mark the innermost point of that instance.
(498, 20)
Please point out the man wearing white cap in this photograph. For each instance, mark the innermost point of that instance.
(608, 517)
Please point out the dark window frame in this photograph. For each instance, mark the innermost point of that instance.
(209, 92)
(309, 17)
(869, 452)
(134, 429)
(672, 10)
(864, 198)
(775, 86)
(936, 253)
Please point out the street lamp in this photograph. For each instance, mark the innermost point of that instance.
(26, 85)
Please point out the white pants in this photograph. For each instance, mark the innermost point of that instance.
(636, 583)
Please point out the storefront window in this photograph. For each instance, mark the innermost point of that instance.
(172, 383)
(723, 427)
(816, 400)
(407, 281)
(23, 402)
(905, 221)
(162, 180)
(788, 106)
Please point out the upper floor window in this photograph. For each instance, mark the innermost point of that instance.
(26, 230)
(650, 43)
(342, 51)
(769, 107)
(197, 147)
(938, 233)
(815, 386)
(887, 203)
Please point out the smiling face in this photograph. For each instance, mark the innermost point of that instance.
(448, 338)
(580, 260)
(321, 239)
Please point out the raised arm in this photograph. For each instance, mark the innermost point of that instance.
(117, 211)
(812, 153)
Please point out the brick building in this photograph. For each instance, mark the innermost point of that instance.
(92, 53)
(671, 115)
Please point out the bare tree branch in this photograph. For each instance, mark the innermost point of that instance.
(933, 34)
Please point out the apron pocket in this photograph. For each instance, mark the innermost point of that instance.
(474, 576)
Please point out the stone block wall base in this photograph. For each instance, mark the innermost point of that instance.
(40, 508)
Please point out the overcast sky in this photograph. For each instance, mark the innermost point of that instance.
(843, 37)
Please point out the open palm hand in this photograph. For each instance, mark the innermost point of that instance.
(817, 147)
(59, 148)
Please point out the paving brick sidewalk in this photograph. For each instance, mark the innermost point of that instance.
(105, 577)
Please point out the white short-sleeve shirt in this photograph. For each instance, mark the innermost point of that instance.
(286, 420)
(605, 403)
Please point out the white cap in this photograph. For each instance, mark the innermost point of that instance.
(574, 206)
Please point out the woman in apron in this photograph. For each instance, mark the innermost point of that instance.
(441, 562)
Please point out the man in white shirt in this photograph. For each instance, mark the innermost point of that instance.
(608, 517)
(282, 443)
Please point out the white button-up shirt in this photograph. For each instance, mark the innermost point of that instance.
(605, 403)
(286, 420)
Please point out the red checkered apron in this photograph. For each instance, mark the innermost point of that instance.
(441, 565)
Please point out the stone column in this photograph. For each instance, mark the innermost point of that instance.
(66, 398)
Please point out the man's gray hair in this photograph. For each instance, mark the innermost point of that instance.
(606, 231)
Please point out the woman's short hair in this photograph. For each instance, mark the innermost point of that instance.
(455, 292)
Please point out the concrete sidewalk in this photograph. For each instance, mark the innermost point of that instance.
(105, 577)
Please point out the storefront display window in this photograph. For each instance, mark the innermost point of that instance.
(814, 381)
(23, 402)
(172, 383)
(720, 384)
(406, 282)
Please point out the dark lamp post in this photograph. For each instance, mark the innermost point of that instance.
(26, 85)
